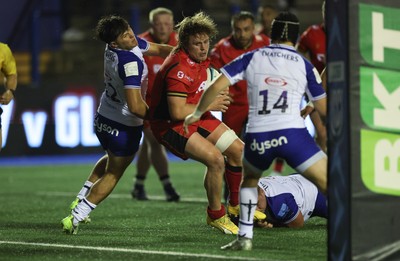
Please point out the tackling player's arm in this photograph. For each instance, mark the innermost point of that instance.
(207, 99)
(212, 92)
(135, 102)
(179, 109)
(162, 50)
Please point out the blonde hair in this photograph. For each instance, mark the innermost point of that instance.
(200, 23)
(159, 11)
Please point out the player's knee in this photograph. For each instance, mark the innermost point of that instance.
(226, 140)
(215, 160)
(234, 153)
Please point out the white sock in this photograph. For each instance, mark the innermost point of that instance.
(82, 210)
(248, 203)
(85, 190)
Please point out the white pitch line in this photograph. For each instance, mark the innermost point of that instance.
(119, 196)
(126, 250)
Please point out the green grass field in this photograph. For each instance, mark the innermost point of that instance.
(34, 199)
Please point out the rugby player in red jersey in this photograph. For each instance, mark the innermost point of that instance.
(176, 91)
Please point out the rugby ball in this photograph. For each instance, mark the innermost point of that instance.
(212, 74)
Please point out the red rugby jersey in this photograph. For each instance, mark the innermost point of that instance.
(225, 51)
(313, 41)
(178, 76)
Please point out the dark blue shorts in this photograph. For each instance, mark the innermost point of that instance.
(296, 146)
(120, 139)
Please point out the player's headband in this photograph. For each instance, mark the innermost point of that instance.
(285, 30)
(285, 22)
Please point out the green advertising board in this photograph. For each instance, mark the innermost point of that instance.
(380, 162)
(379, 38)
(364, 149)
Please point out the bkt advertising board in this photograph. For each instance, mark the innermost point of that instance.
(364, 182)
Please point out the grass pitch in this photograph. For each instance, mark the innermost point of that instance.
(34, 199)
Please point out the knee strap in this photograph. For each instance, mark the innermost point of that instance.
(226, 139)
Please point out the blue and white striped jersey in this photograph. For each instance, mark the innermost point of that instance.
(277, 78)
(123, 70)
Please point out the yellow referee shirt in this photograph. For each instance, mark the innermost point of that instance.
(7, 61)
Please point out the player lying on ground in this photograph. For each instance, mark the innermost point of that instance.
(289, 201)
